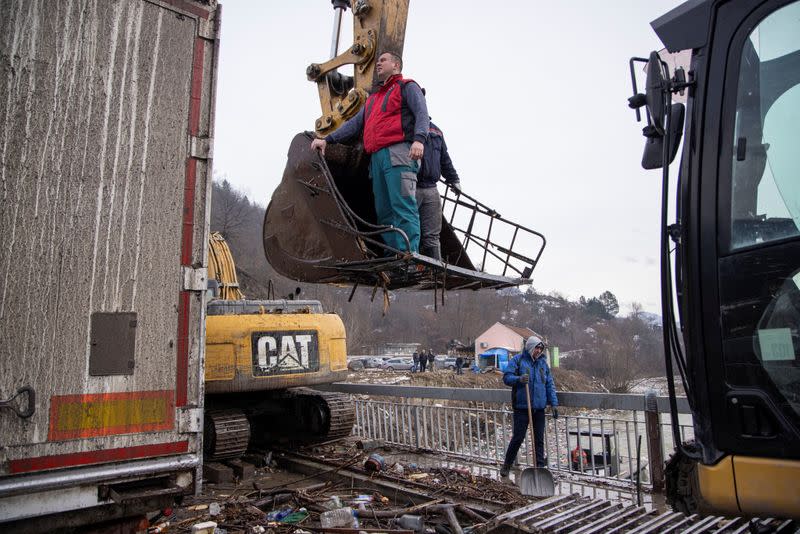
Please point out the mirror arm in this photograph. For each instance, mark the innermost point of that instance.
(636, 93)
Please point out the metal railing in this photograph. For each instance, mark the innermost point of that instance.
(597, 435)
(489, 238)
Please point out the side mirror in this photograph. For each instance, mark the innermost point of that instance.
(654, 92)
(657, 87)
(653, 156)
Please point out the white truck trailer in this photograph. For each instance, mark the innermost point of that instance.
(106, 128)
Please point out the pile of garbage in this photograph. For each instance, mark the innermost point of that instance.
(317, 508)
(280, 501)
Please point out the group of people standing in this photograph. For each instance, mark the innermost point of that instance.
(407, 156)
(423, 360)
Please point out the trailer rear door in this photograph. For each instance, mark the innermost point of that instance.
(106, 122)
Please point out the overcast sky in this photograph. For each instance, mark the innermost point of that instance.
(531, 97)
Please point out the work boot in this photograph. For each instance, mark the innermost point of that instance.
(504, 470)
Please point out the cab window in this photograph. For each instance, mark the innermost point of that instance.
(760, 270)
(765, 203)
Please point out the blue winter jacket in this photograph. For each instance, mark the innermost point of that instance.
(543, 390)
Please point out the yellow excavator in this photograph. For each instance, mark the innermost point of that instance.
(258, 355)
(731, 312)
(262, 355)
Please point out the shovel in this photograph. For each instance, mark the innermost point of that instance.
(535, 481)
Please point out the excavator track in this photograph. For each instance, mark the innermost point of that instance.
(296, 415)
(227, 433)
(336, 409)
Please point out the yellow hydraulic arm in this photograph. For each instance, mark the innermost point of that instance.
(378, 26)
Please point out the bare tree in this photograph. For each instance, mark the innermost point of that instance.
(229, 209)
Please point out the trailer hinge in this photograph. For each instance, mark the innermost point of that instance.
(190, 420)
(201, 147)
(195, 279)
(207, 28)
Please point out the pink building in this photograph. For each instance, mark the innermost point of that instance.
(503, 336)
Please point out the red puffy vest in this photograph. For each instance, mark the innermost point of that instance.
(383, 116)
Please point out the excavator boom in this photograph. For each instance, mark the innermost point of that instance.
(378, 26)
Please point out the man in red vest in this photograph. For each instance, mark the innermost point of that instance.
(394, 122)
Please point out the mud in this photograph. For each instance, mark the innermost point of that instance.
(565, 379)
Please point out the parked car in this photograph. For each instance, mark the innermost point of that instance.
(449, 362)
(356, 365)
(398, 364)
(373, 363)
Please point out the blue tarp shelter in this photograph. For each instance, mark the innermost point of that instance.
(496, 357)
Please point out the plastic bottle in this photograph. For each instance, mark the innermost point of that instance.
(342, 517)
(411, 522)
(334, 503)
(277, 515)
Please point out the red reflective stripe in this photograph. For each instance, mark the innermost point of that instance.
(196, 94)
(187, 223)
(195, 99)
(97, 411)
(25, 465)
(182, 368)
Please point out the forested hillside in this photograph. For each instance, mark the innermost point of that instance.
(592, 333)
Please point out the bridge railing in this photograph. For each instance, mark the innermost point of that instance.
(615, 437)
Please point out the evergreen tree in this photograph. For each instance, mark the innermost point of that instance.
(609, 302)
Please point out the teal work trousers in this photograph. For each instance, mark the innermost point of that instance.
(394, 185)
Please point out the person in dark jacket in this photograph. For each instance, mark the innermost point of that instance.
(459, 365)
(394, 122)
(415, 357)
(529, 369)
(436, 162)
(423, 361)
(431, 360)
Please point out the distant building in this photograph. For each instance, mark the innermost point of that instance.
(399, 349)
(500, 341)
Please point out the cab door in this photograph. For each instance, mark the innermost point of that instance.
(751, 230)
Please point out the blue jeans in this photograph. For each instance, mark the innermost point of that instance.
(519, 434)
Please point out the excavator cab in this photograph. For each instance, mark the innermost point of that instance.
(735, 338)
(320, 225)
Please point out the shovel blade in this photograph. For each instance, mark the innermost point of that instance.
(537, 482)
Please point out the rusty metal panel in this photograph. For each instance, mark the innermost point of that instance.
(112, 341)
(95, 102)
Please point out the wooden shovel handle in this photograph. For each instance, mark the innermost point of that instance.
(530, 423)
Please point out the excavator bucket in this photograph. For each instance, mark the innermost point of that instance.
(320, 227)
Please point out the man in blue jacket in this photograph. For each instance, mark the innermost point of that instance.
(529, 369)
